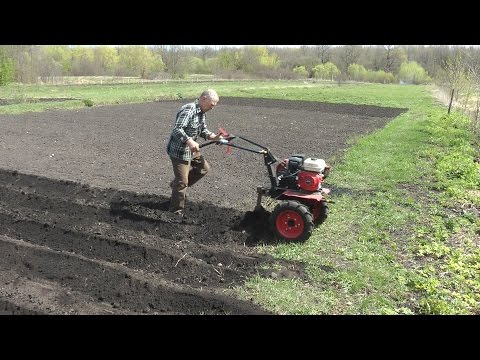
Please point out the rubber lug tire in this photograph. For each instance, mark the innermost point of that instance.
(291, 221)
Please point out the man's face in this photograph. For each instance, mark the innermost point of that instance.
(207, 104)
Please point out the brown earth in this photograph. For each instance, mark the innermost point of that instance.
(83, 194)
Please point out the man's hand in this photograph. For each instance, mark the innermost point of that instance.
(216, 137)
(193, 145)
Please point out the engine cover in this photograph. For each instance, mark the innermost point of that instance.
(314, 164)
(309, 180)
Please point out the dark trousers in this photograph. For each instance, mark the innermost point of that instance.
(187, 173)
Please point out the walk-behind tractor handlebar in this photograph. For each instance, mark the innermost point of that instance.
(296, 183)
(267, 155)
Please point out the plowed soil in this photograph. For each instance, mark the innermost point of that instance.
(83, 196)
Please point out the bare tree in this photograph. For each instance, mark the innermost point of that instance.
(323, 53)
(206, 52)
(374, 58)
(454, 70)
(348, 55)
(173, 58)
(389, 59)
(473, 65)
(26, 65)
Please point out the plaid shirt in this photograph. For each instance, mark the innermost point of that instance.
(190, 123)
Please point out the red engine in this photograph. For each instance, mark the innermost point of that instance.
(299, 173)
(309, 180)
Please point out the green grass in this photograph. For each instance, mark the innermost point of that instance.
(403, 234)
(395, 96)
(391, 242)
(365, 228)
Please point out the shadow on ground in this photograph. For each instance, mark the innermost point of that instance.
(112, 251)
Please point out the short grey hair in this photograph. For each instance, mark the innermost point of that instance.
(210, 94)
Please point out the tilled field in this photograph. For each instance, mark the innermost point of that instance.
(83, 196)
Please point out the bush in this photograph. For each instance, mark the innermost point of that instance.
(88, 102)
(7, 70)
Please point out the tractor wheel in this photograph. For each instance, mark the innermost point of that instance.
(323, 213)
(292, 221)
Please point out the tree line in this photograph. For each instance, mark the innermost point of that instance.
(453, 65)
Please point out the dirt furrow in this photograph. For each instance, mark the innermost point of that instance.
(115, 284)
(63, 233)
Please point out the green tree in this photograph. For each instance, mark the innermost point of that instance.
(357, 72)
(7, 68)
(60, 55)
(320, 72)
(82, 61)
(254, 59)
(228, 60)
(196, 65)
(300, 71)
(25, 60)
(268, 60)
(140, 61)
(379, 76)
(326, 71)
(412, 73)
(106, 60)
(174, 58)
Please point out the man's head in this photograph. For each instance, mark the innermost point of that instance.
(208, 99)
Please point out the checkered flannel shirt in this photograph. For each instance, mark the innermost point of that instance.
(190, 123)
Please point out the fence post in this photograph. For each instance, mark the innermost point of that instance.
(476, 113)
(451, 99)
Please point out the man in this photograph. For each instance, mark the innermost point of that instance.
(189, 165)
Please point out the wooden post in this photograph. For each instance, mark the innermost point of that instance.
(451, 99)
(476, 113)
